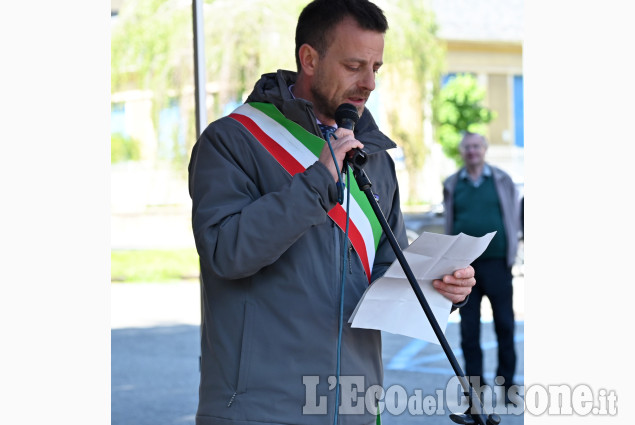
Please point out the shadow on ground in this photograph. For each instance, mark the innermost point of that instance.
(154, 375)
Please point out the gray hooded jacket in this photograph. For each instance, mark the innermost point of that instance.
(271, 263)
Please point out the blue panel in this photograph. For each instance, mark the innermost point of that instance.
(171, 138)
(447, 78)
(519, 112)
(118, 119)
(230, 106)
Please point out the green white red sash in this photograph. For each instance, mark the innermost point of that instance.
(296, 149)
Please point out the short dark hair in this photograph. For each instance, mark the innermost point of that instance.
(319, 17)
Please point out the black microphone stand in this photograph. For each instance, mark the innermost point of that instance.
(475, 413)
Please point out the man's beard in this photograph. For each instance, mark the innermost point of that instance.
(328, 106)
(321, 103)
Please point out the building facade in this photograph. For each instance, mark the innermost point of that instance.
(485, 38)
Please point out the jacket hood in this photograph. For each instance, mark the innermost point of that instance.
(274, 88)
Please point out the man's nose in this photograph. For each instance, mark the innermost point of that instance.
(367, 81)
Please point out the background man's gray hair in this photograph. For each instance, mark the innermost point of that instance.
(467, 134)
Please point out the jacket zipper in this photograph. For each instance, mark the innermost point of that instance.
(231, 400)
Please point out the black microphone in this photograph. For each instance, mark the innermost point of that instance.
(346, 117)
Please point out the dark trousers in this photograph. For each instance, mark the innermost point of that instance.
(494, 280)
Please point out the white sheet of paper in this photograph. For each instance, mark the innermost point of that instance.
(390, 304)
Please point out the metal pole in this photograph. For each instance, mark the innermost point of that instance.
(200, 93)
(476, 412)
(199, 66)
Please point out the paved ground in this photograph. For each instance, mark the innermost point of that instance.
(155, 348)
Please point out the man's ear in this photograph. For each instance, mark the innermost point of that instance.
(309, 58)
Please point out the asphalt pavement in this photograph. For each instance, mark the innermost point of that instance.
(155, 331)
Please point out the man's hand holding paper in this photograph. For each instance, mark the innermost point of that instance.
(457, 286)
(441, 265)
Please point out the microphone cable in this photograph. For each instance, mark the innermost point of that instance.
(338, 183)
(340, 192)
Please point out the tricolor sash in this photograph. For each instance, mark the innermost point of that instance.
(296, 149)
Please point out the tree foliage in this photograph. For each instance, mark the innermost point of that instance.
(414, 60)
(123, 148)
(152, 49)
(243, 40)
(460, 110)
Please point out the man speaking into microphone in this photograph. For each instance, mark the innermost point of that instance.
(282, 270)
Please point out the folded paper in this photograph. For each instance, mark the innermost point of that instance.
(390, 304)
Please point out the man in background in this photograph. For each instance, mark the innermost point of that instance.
(479, 199)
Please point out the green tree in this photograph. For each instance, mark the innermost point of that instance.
(460, 110)
(414, 60)
(123, 148)
(152, 49)
(243, 40)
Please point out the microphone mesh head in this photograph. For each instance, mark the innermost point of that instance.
(346, 111)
